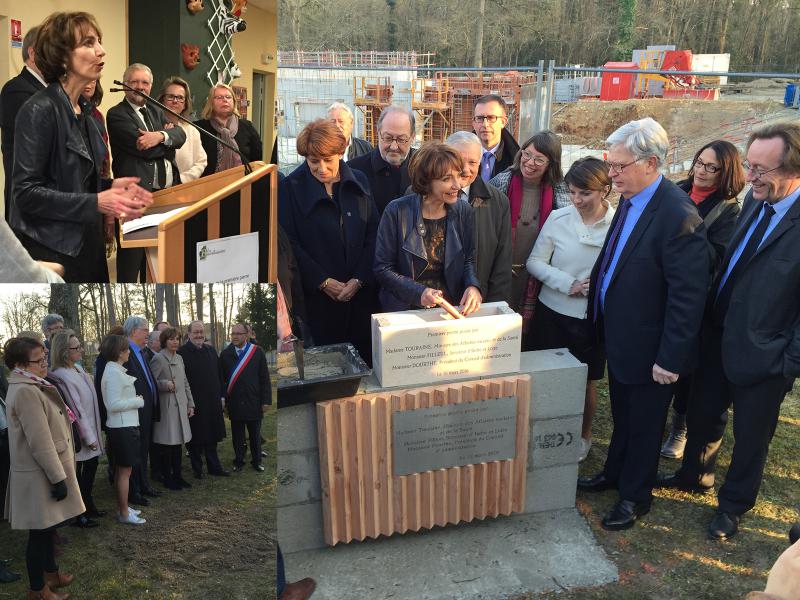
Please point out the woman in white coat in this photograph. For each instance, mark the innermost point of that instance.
(79, 392)
(122, 406)
(562, 259)
(191, 157)
(177, 407)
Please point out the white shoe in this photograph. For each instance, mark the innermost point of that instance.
(585, 446)
(131, 519)
(134, 511)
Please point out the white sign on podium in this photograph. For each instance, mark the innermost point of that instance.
(228, 260)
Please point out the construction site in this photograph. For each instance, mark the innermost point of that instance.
(584, 105)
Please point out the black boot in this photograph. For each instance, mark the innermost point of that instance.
(676, 441)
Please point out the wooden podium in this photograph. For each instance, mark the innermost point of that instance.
(220, 205)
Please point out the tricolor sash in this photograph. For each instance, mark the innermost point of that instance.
(248, 353)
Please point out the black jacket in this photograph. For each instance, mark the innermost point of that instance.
(761, 335)
(55, 179)
(15, 93)
(492, 240)
(123, 130)
(252, 388)
(400, 255)
(720, 230)
(246, 138)
(654, 302)
(358, 147)
(151, 406)
(202, 373)
(385, 182)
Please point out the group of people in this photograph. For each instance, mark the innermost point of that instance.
(686, 294)
(66, 193)
(142, 406)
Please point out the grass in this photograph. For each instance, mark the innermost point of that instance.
(215, 540)
(667, 555)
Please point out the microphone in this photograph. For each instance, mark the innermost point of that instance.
(126, 88)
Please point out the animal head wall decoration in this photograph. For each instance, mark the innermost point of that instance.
(191, 55)
(238, 8)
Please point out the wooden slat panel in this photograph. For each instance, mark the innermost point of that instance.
(363, 499)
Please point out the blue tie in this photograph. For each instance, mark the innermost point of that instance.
(611, 247)
(486, 166)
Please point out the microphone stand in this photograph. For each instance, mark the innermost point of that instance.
(126, 88)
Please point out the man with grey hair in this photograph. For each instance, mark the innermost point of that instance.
(153, 346)
(646, 299)
(341, 116)
(137, 331)
(143, 145)
(51, 325)
(14, 94)
(492, 221)
(386, 167)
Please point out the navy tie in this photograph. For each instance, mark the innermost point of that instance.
(611, 247)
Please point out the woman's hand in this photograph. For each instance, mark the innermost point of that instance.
(349, 290)
(55, 267)
(59, 490)
(576, 289)
(190, 412)
(430, 298)
(125, 199)
(333, 288)
(471, 300)
(170, 386)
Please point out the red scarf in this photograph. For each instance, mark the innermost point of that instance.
(699, 194)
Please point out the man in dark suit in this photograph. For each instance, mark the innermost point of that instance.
(751, 333)
(246, 387)
(136, 330)
(646, 301)
(341, 116)
(492, 221)
(143, 145)
(489, 118)
(386, 167)
(14, 94)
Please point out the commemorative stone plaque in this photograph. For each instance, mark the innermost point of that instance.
(454, 435)
(428, 346)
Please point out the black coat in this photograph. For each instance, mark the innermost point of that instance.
(252, 388)
(15, 93)
(151, 409)
(202, 372)
(654, 302)
(492, 240)
(761, 336)
(384, 182)
(336, 239)
(358, 147)
(55, 179)
(400, 255)
(128, 161)
(719, 231)
(246, 138)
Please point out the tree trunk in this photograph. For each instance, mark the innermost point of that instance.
(212, 310)
(112, 315)
(478, 60)
(198, 299)
(159, 302)
(64, 301)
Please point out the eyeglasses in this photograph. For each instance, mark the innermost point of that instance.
(174, 98)
(537, 160)
(41, 361)
(225, 97)
(757, 171)
(238, 333)
(400, 140)
(79, 347)
(709, 168)
(487, 118)
(618, 167)
(135, 82)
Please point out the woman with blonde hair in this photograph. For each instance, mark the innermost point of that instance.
(191, 157)
(222, 118)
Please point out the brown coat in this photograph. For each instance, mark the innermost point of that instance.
(173, 428)
(40, 440)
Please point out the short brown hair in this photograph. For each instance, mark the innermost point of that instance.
(321, 139)
(589, 173)
(175, 80)
(789, 132)
(56, 40)
(549, 144)
(732, 179)
(112, 346)
(17, 351)
(208, 109)
(491, 98)
(167, 334)
(432, 161)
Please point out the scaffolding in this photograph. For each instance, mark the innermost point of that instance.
(430, 101)
(361, 59)
(370, 96)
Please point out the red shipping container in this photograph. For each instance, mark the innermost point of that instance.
(618, 86)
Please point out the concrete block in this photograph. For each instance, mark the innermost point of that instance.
(297, 428)
(551, 488)
(558, 383)
(554, 442)
(300, 527)
(298, 477)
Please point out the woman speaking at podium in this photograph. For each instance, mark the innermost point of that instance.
(59, 196)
